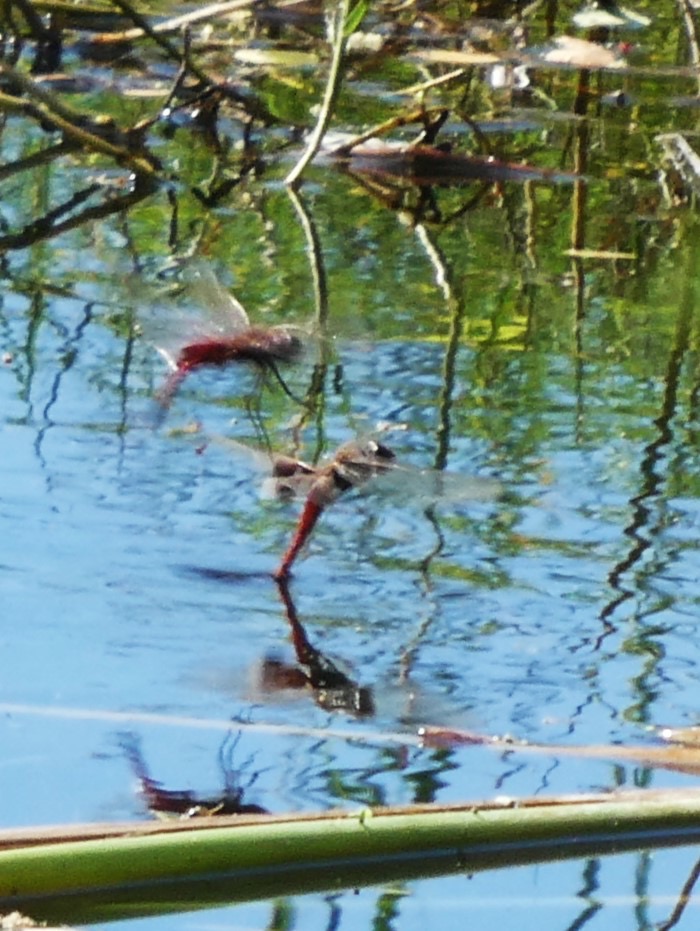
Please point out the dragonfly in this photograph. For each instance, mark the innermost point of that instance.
(182, 802)
(332, 688)
(366, 464)
(213, 329)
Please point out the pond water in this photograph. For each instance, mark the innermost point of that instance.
(137, 557)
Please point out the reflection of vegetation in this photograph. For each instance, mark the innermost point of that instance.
(534, 325)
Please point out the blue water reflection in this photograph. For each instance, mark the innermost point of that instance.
(136, 575)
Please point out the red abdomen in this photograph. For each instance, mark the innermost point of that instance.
(255, 344)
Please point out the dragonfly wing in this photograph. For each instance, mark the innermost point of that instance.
(224, 313)
(169, 327)
(255, 459)
(428, 486)
(190, 307)
(370, 465)
(285, 477)
(288, 486)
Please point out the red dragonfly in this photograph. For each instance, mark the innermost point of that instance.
(182, 802)
(354, 465)
(213, 329)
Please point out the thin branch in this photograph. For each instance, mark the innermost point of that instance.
(34, 21)
(32, 89)
(41, 157)
(45, 228)
(175, 23)
(424, 86)
(691, 32)
(414, 116)
(683, 899)
(332, 90)
(77, 134)
(170, 50)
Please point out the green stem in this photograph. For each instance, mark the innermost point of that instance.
(254, 857)
(330, 96)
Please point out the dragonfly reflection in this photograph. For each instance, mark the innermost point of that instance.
(184, 803)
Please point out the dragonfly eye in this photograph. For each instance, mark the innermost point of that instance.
(379, 450)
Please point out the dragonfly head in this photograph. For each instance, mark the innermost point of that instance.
(357, 462)
(285, 343)
(378, 451)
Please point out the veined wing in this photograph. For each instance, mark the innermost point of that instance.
(224, 313)
(192, 307)
(423, 487)
(372, 467)
(283, 476)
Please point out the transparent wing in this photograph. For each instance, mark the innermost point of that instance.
(282, 476)
(373, 469)
(428, 486)
(190, 306)
(223, 312)
(289, 477)
(255, 459)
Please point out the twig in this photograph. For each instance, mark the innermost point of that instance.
(34, 21)
(691, 33)
(527, 11)
(318, 271)
(358, 734)
(40, 230)
(415, 116)
(170, 50)
(47, 107)
(41, 157)
(29, 87)
(433, 82)
(329, 98)
(683, 900)
(147, 29)
(67, 6)
(42, 113)
(211, 11)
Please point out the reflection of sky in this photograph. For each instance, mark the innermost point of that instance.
(113, 534)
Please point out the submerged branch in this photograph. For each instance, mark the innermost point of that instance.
(46, 227)
(682, 756)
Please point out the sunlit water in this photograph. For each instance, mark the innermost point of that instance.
(136, 561)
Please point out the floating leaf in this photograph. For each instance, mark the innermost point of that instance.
(277, 58)
(578, 53)
(455, 57)
(611, 17)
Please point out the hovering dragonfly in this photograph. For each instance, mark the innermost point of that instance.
(352, 466)
(358, 464)
(213, 329)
